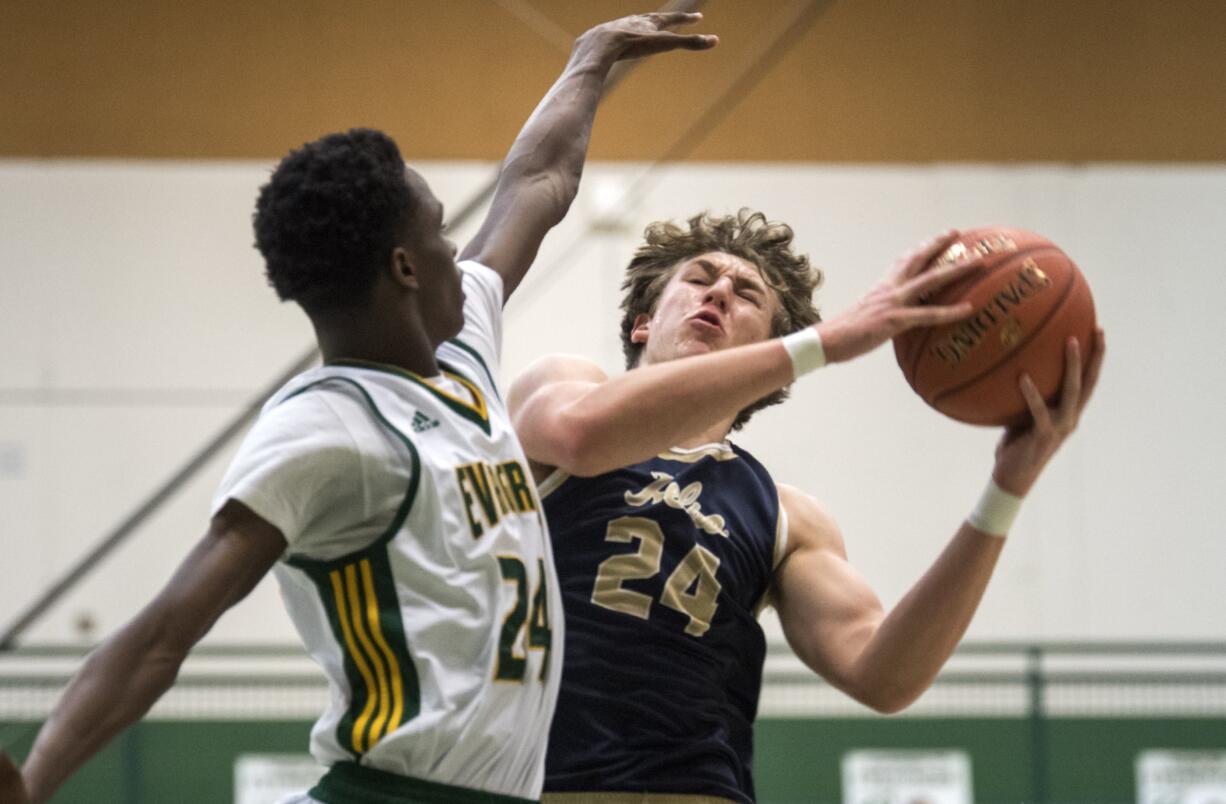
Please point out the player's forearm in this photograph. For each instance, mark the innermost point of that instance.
(540, 175)
(912, 644)
(553, 144)
(649, 409)
(119, 682)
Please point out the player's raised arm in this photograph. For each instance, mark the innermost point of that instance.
(126, 675)
(569, 415)
(540, 175)
(833, 620)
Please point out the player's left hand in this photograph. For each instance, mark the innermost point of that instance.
(642, 35)
(1024, 451)
(12, 786)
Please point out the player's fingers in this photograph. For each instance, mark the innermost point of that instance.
(1093, 366)
(925, 254)
(1070, 390)
(671, 19)
(674, 17)
(930, 282)
(935, 316)
(1035, 403)
(662, 41)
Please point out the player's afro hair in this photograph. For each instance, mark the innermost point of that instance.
(329, 217)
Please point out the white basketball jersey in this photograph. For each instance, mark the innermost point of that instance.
(418, 572)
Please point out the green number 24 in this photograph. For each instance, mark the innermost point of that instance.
(513, 665)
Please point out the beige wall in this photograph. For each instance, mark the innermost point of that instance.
(872, 80)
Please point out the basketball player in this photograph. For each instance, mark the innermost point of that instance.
(669, 538)
(386, 489)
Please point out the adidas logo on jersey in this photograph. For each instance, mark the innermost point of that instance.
(422, 422)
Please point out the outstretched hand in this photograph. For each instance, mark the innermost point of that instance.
(897, 303)
(1024, 451)
(12, 786)
(642, 35)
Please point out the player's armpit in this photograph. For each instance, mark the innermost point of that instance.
(12, 787)
(827, 610)
(224, 566)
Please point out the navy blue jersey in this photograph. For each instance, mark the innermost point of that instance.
(662, 566)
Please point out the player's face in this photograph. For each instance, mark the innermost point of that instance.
(440, 297)
(711, 302)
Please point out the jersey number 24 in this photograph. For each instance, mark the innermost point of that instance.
(691, 589)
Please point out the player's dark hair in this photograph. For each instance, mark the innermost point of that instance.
(329, 217)
(748, 235)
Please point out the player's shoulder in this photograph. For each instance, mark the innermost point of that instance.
(809, 523)
(319, 393)
(482, 274)
(483, 298)
(557, 367)
(553, 369)
(320, 409)
(479, 342)
(799, 503)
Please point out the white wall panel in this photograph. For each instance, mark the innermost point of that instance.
(135, 320)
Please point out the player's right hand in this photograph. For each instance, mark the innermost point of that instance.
(1023, 451)
(12, 785)
(642, 35)
(897, 303)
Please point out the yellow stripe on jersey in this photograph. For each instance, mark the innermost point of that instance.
(355, 610)
(376, 630)
(343, 615)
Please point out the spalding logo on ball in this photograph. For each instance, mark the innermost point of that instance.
(1029, 298)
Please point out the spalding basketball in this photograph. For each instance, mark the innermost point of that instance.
(1028, 299)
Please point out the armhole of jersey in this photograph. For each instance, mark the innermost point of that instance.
(550, 484)
(781, 546)
(407, 501)
(781, 534)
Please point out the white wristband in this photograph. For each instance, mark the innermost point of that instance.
(805, 349)
(995, 511)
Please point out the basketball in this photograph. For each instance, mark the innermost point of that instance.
(1029, 297)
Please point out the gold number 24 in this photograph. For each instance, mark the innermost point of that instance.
(691, 589)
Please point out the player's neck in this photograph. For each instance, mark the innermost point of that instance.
(371, 339)
(712, 435)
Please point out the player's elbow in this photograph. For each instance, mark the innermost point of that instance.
(558, 187)
(886, 698)
(889, 704)
(549, 188)
(578, 443)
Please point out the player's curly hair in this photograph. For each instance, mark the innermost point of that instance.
(329, 217)
(748, 235)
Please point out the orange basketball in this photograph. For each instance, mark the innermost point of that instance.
(1028, 298)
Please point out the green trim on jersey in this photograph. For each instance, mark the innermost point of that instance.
(480, 360)
(363, 610)
(350, 783)
(477, 413)
(406, 504)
